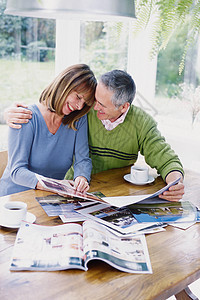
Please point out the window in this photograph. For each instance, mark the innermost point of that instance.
(27, 61)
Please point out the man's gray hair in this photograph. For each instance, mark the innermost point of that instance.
(121, 84)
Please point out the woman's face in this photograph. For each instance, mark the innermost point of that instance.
(74, 101)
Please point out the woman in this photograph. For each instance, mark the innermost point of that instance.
(56, 134)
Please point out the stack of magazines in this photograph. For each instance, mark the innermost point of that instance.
(113, 229)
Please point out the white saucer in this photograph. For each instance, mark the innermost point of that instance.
(127, 177)
(29, 218)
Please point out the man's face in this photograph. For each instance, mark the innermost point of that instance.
(104, 106)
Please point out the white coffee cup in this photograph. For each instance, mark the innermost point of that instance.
(139, 174)
(12, 213)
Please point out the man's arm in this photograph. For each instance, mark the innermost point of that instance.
(159, 154)
(175, 192)
(17, 114)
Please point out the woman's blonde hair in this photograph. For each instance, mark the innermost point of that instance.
(77, 78)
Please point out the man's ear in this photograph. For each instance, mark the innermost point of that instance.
(124, 107)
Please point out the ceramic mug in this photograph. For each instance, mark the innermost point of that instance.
(12, 213)
(139, 174)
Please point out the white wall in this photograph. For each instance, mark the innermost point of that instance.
(141, 67)
(67, 44)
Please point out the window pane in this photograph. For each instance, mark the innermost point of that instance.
(104, 46)
(27, 61)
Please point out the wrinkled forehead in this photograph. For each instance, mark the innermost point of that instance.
(104, 95)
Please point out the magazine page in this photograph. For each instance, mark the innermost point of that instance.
(198, 214)
(121, 201)
(128, 254)
(183, 226)
(152, 228)
(64, 207)
(72, 217)
(48, 248)
(55, 205)
(165, 188)
(119, 219)
(168, 212)
(64, 188)
(157, 227)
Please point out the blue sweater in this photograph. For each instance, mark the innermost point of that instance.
(33, 149)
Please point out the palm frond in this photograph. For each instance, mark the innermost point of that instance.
(118, 27)
(167, 16)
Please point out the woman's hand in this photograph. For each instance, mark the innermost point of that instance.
(40, 187)
(17, 113)
(81, 184)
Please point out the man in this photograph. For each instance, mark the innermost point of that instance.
(118, 131)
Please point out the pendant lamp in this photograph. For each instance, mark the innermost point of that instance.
(97, 10)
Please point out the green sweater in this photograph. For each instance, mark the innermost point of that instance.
(120, 146)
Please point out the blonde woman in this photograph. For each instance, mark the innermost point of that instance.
(56, 134)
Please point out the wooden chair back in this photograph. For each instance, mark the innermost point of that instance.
(3, 161)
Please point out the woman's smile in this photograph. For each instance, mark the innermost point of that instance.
(74, 101)
(70, 107)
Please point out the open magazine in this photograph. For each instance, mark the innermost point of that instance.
(65, 189)
(64, 207)
(119, 219)
(141, 216)
(163, 211)
(120, 201)
(72, 246)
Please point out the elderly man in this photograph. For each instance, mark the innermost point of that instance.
(118, 131)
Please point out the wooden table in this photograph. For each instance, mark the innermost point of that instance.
(174, 255)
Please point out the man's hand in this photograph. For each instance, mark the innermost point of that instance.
(175, 192)
(17, 113)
